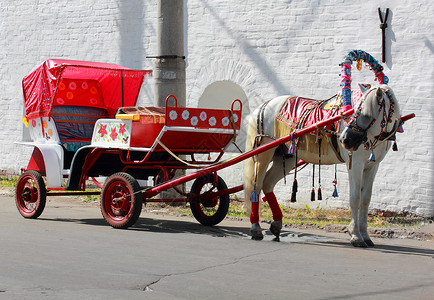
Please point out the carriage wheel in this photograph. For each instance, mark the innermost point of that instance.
(121, 201)
(30, 194)
(212, 211)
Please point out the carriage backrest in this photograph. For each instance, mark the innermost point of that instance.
(75, 124)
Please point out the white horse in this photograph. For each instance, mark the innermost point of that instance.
(375, 122)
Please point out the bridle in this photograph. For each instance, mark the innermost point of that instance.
(387, 118)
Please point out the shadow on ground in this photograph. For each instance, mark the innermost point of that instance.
(185, 226)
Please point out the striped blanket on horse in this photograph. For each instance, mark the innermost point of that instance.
(297, 112)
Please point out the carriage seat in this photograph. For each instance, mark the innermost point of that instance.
(75, 124)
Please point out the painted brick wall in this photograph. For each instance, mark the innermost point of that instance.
(268, 48)
(31, 31)
(272, 48)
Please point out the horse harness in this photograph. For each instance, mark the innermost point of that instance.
(260, 125)
(387, 118)
(282, 149)
(333, 131)
(301, 122)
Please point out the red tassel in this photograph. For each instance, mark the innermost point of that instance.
(312, 195)
(319, 194)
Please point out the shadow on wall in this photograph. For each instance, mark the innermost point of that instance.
(430, 47)
(255, 56)
(390, 39)
(135, 33)
(131, 32)
(220, 95)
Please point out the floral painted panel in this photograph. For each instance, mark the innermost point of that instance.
(112, 133)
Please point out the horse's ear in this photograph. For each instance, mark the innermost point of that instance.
(379, 94)
(362, 88)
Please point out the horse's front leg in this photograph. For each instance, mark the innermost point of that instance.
(355, 178)
(368, 181)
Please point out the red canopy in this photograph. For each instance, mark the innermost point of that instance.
(59, 82)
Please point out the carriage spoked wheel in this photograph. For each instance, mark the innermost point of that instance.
(208, 210)
(30, 194)
(121, 201)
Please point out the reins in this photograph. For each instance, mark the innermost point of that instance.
(387, 118)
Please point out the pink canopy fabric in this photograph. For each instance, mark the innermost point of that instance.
(59, 82)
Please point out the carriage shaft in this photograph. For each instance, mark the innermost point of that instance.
(298, 133)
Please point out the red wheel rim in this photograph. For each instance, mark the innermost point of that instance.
(117, 201)
(28, 197)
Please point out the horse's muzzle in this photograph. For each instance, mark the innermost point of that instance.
(352, 139)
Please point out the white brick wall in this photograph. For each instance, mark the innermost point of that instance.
(268, 48)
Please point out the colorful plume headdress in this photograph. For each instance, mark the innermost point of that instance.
(359, 56)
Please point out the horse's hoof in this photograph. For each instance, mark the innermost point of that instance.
(257, 237)
(276, 227)
(256, 232)
(359, 243)
(369, 242)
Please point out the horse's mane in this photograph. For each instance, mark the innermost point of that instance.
(371, 110)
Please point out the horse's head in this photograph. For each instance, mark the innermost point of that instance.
(376, 119)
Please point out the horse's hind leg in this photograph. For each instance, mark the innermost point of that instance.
(254, 173)
(276, 225)
(272, 177)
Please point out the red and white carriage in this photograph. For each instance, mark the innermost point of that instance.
(84, 124)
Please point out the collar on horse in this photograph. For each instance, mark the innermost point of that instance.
(387, 118)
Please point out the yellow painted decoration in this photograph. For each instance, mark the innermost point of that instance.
(25, 121)
(359, 64)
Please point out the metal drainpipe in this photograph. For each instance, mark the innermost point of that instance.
(169, 71)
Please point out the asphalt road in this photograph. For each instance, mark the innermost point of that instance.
(70, 253)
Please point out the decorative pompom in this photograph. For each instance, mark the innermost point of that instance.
(254, 197)
(372, 156)
(291, 149)
(335, 192)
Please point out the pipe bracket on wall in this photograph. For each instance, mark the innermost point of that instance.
(166, 57)
(383, 26)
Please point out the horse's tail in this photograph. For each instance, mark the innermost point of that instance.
(249, 164)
